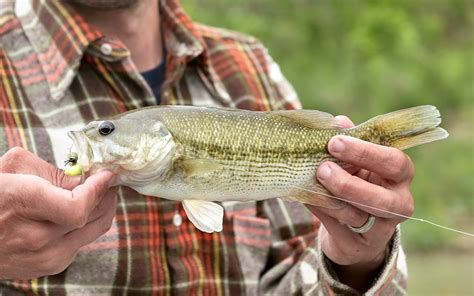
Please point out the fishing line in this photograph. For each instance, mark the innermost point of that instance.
(355, 202)
(362, 205)
(388, 212)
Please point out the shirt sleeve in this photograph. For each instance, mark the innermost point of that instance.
(296, 264)
(390, 281)
(282, 95)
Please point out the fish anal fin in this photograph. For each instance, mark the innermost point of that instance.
(198, 166)
(207, 216)
(316, 195)
(309, 118)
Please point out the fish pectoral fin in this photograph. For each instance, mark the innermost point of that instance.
(316, 195)
(207, 216)
(199, 166)
(309, 118)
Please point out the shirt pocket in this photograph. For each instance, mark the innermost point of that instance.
(252, 239)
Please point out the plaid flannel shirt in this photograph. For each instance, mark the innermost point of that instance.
(58, 73)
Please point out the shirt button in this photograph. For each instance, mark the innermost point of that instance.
(177, 219)
(106, 48)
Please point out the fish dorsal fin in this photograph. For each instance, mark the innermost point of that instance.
(309, 118)
(316, 195)
(199, 166)
(207, 216)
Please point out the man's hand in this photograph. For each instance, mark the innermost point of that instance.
(45, 216)
(379, 177)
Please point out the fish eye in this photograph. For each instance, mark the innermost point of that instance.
(106, 128)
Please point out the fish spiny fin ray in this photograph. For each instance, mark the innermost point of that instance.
(207, 216)
(317, 195)
(309, 118)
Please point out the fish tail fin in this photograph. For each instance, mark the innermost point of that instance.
(409, 127)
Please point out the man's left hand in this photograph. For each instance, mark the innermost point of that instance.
(379, 177)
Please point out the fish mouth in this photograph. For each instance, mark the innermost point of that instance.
(82, 148)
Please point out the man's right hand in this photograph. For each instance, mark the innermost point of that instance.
(45, 216)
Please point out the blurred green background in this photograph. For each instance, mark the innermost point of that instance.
(364, 58)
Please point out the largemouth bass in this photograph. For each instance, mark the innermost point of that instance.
(201, 155)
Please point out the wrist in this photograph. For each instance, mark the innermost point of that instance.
(362, 275)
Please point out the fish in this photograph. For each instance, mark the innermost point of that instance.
(203, 156)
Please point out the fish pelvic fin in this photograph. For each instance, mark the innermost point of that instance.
(316, 195)
(408, 127)
(207, 216)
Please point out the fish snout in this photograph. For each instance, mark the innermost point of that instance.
(80, 146)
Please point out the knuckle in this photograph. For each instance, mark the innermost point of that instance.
(108, 220)
(106, 226)
(401, 203)
(344, 185)
(16, 152)
(55, 261)
(352, 216)
(409, 168)
(391, 203)
(393, 160)
(362, 154)
(34, 242)
(78, 218)
(399, 163)
(52, 266)
(409, 205)
(11, 159)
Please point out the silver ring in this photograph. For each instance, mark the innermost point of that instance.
(364, 228)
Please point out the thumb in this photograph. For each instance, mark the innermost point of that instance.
(343, 121)
(21, 161)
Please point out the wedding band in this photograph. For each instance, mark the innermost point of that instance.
(364, 228)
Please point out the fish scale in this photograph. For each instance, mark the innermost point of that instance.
(201, 155)
(259, 153)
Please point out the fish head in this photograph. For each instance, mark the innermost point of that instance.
(124, 146)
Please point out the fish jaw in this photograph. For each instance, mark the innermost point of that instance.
(82, 148)
(158, 163)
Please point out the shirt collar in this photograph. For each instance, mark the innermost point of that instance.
(182, 38)
(60, 37)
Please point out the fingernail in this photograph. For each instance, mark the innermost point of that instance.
(337, 145)
(324, 172)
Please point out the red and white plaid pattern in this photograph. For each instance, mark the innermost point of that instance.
(54, 77)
